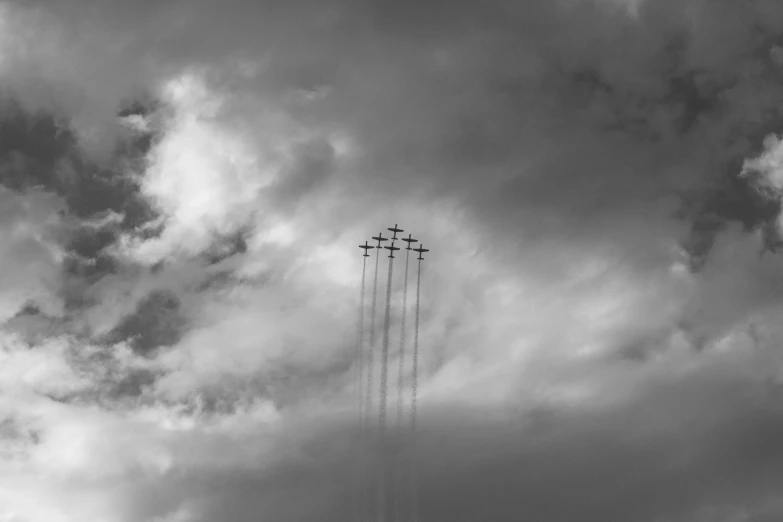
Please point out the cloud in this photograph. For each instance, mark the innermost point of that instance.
(608, 463)
(185, 185)
(702, 440)
(156, 322)
(30, 231)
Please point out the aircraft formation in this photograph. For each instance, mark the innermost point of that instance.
(379, 238)
(394, 463)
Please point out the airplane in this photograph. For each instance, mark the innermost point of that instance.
(366, 247)
(380, 238)
(421, 251)
(395, 230)
(392, 248)
(409, 241)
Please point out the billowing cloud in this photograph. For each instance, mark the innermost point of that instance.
(184, 185)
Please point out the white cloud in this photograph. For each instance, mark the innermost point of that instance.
(767, 170)
(44, 370)
(768, 165)
(204, 176)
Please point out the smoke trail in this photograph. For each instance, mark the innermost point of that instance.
(382, 403)
(414, 395)
(370, 353)
(359, 351)
(368, 388)
(400, 381)
(359, 361)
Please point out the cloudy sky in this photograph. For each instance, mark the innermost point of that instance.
(183, 184)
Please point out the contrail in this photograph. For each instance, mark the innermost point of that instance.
(414, 393)
(382, 403)
(400, 383)
(359, 361)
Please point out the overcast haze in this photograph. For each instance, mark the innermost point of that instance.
(183, 186)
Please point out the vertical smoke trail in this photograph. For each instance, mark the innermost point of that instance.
(382, 403)
(370, 370)
(368, 388)
(359, 351)
(414, 393)
(370, 353)
(359, 362)
(400, 382)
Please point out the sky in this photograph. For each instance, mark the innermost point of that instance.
(183, 185)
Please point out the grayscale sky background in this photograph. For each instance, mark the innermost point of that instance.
(184, 184)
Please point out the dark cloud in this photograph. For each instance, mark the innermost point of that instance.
(228, 246)
(568, 134)
(596, 468)
(133, 384)
(39, 149)
(157, 321)
(33, 145)
(679, 451)
(559, 128)
(529, 114)
(34, 326)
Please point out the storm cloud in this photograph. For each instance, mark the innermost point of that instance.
(182, 184)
